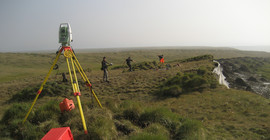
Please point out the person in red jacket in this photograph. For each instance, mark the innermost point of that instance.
(161, 58)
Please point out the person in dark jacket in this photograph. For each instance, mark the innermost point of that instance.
(104, 67)
(128, 60)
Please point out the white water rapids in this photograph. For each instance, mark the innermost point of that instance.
(221, 78)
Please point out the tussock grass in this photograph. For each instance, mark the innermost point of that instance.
(102, 128)
(152, 121)
(162, 115)
(157, 129)
(196, 80)
(50, 111)
(12, 124)
(190, 130)
(16, 111)
(125, 127)
(50, 89)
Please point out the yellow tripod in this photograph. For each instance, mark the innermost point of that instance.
(70, 56)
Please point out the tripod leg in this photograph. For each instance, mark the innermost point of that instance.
(95, 97)
(70, 75)
(79, 67)
(76, 90)
(41, 87)
(81, 113)
(84, 79)
(78, 97)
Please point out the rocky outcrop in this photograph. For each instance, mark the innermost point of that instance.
(241, 73)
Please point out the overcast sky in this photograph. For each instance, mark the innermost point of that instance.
(32, 25)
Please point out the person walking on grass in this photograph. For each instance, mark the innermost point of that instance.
(104, 67)
(128, 60)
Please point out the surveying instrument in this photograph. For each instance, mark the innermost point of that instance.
(65, 37)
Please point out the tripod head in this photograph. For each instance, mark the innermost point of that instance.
(65, 34)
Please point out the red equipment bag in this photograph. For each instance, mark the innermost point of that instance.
(62, 133)
(66, 105)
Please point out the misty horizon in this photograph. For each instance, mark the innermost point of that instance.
(108, 49)
(33, 25)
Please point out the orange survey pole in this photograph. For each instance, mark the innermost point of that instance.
(41, 87)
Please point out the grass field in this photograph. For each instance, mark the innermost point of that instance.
(133, 107)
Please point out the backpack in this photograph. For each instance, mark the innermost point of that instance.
(102, 66)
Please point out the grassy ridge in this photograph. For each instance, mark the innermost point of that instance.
(21, 65)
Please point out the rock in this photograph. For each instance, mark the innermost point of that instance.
(252, 79)
(263, 79)
(242, 73)
(240, 82)
(244, 68)
(248, 88)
